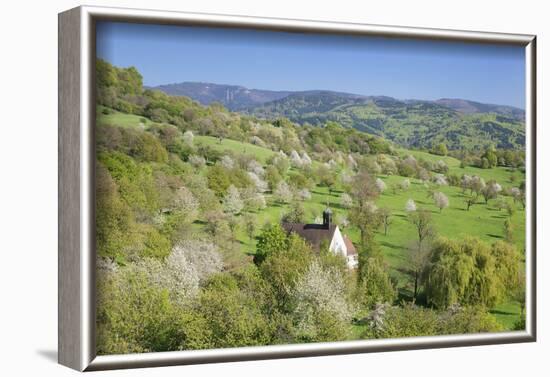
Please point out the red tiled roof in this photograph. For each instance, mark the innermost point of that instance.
(349, 246)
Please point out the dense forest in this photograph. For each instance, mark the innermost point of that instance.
(192, 255)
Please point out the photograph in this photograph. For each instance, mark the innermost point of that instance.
(265, 187)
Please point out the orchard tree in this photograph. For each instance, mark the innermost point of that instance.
(441, 200)
(346, 201)
(422, 221)
(363, 213)
(232, 202)
(322, 311)
(188, 138)
(283, 193)
(490, 190)
(380, 185)
(250, 226)
(410, 206)
(185, 201)
(385, 215)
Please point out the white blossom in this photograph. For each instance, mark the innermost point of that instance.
(188, 137)
(351, 162)
(232, 201)
(346, 201)
(303, 194)
(441, 200)
(227, 162)
(260, 184)
(283, 193)
(257, 141)
(306, 160)
(197, 161)
(320, 290)
(256, 168)
(380, 185)
(185, 201)
(410, 206)
(295, 159)
(440, 180)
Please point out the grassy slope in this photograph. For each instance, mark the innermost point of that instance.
(122, 119)
(261, 154)
(455, 222)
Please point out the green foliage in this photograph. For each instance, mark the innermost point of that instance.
(134, 315)
(114, 220)
(440, 149)
(411, 320)
(284, 265)
(234, 317)
(411, 124)
(218, 180)
(272, 240)
(135, 181)
(469, 272)
(374, 285)
(296, 214)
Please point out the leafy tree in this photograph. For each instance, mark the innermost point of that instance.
(134, 314)
(401, 321)
(272, 176)
(284, 265)
(218, 180)
(468, 272)
(272, 239)
(235, 319)
(440, 149)
(374, 285)
(250, 226)
(326, 178)
(297, 214)
(114, 220)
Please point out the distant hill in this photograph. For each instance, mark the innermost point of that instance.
(233, 97)
(471, 107)
(412, 123)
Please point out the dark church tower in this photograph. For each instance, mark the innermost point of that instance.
(327, 218)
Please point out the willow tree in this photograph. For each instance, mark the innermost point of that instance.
(470, 272)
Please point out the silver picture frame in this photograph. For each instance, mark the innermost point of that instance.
(76, 264)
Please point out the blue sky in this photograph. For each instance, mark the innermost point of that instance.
(404, 69)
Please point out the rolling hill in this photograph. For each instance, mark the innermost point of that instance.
(459, 123)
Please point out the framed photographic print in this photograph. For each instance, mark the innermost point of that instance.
(236, 188)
